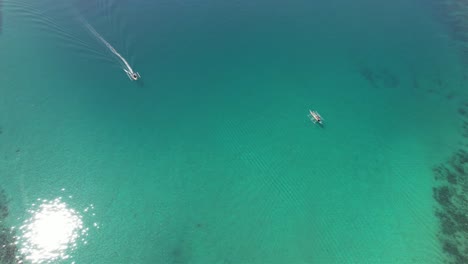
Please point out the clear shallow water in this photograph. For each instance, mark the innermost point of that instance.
(211, 157)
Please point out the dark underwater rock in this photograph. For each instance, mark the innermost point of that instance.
(447, 224)
(462, 111)
(389, 80)
(8, 248)
(369, 76)
(3, 205)
(443, 196)
(451, 195)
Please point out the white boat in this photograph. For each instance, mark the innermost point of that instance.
(315, 117)
(132, 75)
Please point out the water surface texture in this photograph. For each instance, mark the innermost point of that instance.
(210, 157)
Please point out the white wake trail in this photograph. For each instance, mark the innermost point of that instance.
(128, 69)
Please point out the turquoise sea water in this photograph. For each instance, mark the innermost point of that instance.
(210, 157)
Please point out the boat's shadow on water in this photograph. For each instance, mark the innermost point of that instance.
(140, 83)
(319, 126)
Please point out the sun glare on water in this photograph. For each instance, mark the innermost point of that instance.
(51, 233)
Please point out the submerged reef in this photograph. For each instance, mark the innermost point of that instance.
(180, 253)
(3, 206)
(454, 15)
(368, 75)
(8, 248)
(451, 195)
(377, 79)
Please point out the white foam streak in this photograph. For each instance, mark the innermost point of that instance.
(108, 45)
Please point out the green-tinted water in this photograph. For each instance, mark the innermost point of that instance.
(210, 157)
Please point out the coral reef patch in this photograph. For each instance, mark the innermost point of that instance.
(379, 79)
(451, 195)
(8, 248)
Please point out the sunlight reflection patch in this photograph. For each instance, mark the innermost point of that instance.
(51, 232)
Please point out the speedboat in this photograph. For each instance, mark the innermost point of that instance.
(134, 76)
(315, 117)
